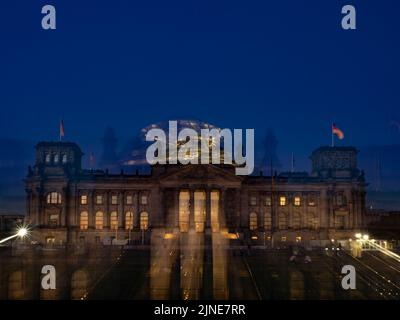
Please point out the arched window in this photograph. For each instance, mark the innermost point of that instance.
(297, 201)
(267, 221)
(64, 158)
(114, 220)
(48, 158)
(129, 220)
(84, 220)
(253, 221)
(56, 158)
(54, 198)
(144, 221)
(296, 220)
(99, 220)
(282, 221)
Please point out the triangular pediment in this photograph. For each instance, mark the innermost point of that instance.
(210, 174)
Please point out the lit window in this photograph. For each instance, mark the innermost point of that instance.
(114, 220)
(84, 220)
(283, 239)
(129, 200)
(84, 199)
(56, 158)
(253, 200)
(298, 239)
(114, 199)
(99, 220)
(64, 158)
(54, 220)
(129, 220)
(48, 158)
(282, 201)
(268, 201)
(54, 198)
(143, 199)
(50, 240)
(99, 199)
(253, 221)
(297, 201)
(144, 221)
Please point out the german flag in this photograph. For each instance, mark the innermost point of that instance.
(337, 131)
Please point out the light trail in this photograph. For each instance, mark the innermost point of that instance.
(21, 233)
(382, 249)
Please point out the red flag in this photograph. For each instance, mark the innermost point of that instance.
(62, 133)
(337, 131)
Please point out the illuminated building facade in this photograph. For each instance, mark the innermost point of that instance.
(68, 204)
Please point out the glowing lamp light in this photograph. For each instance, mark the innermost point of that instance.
(22, 232)
(358, 235)
(365, 237)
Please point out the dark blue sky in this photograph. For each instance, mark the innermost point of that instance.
(282, 64)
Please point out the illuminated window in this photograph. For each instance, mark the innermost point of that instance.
(144, 221)
(283, 239)
(50, 240)
(84, 220)
(129, 200)
(99, 199)
(253, 221)
(297, 201)
(64, 158)
(298, 239)
(84, 199)
(311, 200)
(268, 201)
(114, 220)
(282, 201)
(282, 221)
(253, 200)
(129, 220)
(54, 198)
(48, 158)
(184, 210)
(56, 158)
(114, 199)
(267, 221)
(143, 199)
(54, 220)
(296, 220)
(99, 220)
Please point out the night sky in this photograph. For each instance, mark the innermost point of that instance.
(285, 65)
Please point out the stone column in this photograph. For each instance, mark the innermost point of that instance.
(136, 208)
(221, 214)
(91, 214)
(107, 209)
(121, 209)
(64, 200)
(191, 207)
(208, 208)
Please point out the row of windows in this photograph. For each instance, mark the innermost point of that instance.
(312, 221)
(56, 158)
(114, 199)
(56, 198)
(99, 220)
(283, 201)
